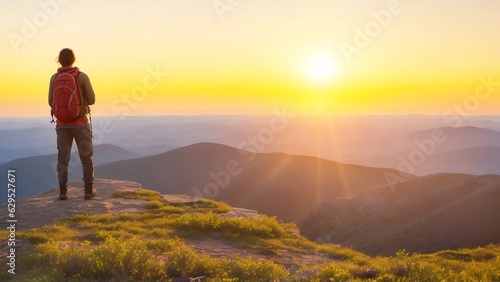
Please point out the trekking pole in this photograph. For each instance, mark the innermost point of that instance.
(90, 120)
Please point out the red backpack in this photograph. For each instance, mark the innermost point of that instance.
(67, 103)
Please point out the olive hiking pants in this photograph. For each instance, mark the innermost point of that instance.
(83, 139)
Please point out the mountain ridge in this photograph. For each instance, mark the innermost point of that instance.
(425, 214)
(268, 182)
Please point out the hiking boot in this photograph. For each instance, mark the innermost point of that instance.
(63, 192)
(90, 194)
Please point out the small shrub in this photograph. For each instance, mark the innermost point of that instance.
(207, 205)
(168, 209)
(219, 207)
(425, 271)
(467, 255)
(35, 237)
(342, 253)
(48, 233)
(155, 204)
(247, 269)
(141, 194)
(455, 255)
(332, 272)
(163, 245)
(184, 262)
(403, 263)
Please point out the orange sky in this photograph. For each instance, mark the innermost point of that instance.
(234, 57)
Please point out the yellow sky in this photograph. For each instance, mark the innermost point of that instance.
(242, 56)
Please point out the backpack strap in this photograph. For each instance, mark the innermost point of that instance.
(84, 97)
(85, 103)
(51, 109)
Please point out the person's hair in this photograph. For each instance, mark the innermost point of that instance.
(66, 57)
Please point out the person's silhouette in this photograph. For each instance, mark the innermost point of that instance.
(79, 129)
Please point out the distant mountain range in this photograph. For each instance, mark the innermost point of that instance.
(424, 214)
(369, 145)
(377, 141)
(26, 142)
(467, 149)
(286, 186)
(475, 160)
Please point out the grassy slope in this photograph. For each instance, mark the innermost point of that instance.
(149, 247)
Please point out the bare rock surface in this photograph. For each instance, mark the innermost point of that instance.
(46, 208)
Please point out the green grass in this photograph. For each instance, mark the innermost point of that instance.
(142, 194)
(113, 258)
(149, 246)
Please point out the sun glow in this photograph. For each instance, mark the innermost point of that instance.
(321, 68)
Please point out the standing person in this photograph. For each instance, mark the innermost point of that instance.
(70, 94)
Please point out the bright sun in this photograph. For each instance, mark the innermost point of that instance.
(321, 68)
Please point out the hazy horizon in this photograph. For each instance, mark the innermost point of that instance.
(261, 114)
